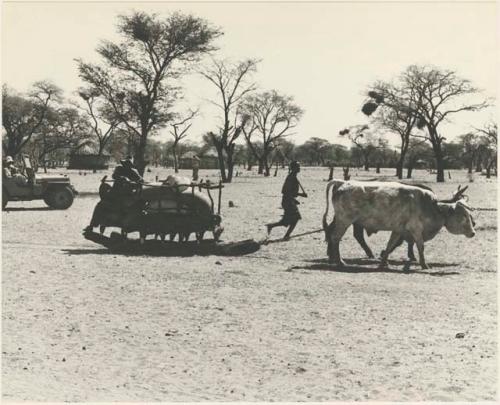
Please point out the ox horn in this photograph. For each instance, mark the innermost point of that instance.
(459, 194)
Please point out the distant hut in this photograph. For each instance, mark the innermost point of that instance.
(207, 161)
(85, 157)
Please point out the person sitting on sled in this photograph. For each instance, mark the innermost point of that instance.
(126, 177)
(290, 190)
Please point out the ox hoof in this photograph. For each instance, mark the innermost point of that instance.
(383, 265)
(412, 258)
(425, 266)
(338, 263)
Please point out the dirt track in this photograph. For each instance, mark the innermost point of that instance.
(280, 324)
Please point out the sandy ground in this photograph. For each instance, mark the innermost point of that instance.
(82, 324)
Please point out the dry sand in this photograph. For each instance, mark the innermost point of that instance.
(83, 324)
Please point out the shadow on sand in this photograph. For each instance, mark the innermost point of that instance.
(14, 209)
(118, 246)
(372, 266)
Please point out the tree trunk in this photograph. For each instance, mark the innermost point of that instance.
(222, 164)
(267, 170)
(261, 166)
(399, 169)
(230, 166)
(479, 167)
(174, 153)
(139, 157)
(408, 171)
(439, 166)
(488, 170)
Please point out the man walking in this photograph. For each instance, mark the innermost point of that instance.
(290, 190)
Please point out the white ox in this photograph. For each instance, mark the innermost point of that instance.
(409, 212)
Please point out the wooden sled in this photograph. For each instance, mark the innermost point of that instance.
(117, 244)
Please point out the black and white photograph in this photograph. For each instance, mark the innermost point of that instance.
(249, 201)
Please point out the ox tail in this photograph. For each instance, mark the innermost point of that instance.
(325, 215)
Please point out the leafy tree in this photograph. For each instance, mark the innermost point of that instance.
(231, 81)
(270, 116)
(366, 141)
(432, 96)
(135, 75)
(22, 116)
(63, 128)
(419, 153)
(489, 146)
(286, 150)
(392, 118)
(471, 149)
(317, 150)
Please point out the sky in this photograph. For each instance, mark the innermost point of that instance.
(325, 55)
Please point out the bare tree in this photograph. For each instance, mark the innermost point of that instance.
(103, 120)
(22, 117)
(134, 76)
(230, 79)
(179, 131)
(270, 116)
(432, 96)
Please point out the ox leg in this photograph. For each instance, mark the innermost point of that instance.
(217, 232)
(394, 241)
(358, 232)
(396, 245)
(142, 238)
(411, 255)
(102, 228)
(338, 230)
(419, 241)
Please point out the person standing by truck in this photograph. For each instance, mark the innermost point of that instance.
(290, 191)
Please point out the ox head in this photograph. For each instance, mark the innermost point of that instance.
(459, 219)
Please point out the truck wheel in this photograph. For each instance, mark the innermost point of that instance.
(47, 198)
(5, 198)
(60, 198)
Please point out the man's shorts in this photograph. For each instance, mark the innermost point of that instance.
(292, 213)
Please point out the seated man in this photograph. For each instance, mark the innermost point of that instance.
(126, 176)
(126, 172)
(114, 204)
(11, 171)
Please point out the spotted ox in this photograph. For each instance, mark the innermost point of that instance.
(409, 212)
(358, 230)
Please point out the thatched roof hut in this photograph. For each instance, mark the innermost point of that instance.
(86, 157)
